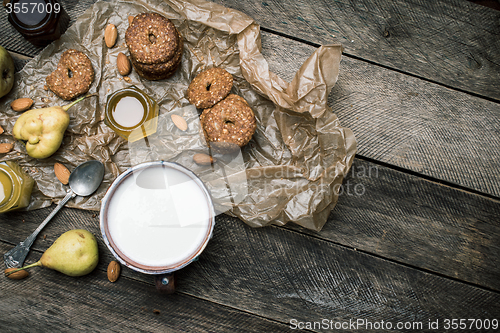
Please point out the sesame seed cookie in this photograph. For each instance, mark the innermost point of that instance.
(152, 38)
(209, 87)
(228, 125)
(162, 70)
(73, 76)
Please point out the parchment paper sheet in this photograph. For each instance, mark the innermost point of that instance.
(290, 171)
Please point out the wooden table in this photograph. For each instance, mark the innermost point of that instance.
(417, 246)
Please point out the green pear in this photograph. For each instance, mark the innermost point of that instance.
(43, 129)
(7, 70)
(74, 253)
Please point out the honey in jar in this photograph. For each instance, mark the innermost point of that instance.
(15, 187)
(39, 21)
(131, 113)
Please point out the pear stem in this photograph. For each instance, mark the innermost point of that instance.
(66, 107)
(38, 263)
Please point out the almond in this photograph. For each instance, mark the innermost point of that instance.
(5, 147)
(179, 122)
(110, 35)
(130, 19)
(1, 130)
(21, 104)
(62, 173)
(113, 271)
(123, 64)
(203, 159)
(17, 275)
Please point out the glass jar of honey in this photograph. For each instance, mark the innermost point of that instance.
(15, 187)
(39, 21)
(131, 113)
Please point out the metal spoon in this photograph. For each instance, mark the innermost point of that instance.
(83, 181)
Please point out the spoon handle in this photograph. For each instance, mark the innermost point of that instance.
(68, 196)
(16, 256)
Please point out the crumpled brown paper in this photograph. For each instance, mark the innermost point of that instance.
(290, 171)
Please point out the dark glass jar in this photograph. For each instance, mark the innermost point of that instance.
(39, 21)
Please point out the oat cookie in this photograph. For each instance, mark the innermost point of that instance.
(152, 38)
(228, 125)
(73, 76)
(209, 87)
(162, 70)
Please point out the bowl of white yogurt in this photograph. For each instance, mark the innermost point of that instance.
(157, 218)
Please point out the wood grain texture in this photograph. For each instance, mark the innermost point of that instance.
(19, 60)
(455, 43)
(49, 301)
(274, 273)
(282, 274)
(405, 121)
(417, 222)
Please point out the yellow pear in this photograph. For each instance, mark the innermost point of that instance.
(74, 253)
(42, 130)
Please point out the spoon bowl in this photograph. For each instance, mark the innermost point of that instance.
(83, 181)
(86, 178)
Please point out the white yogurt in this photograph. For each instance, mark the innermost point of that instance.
(158, 216)
(128, 112)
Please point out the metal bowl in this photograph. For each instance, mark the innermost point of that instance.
(118, 252)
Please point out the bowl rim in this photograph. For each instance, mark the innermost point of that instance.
(122, 258)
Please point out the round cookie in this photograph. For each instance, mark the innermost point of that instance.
(152, 38)
(228, 125)
(162, 70)
(73, 76)
(209, 87)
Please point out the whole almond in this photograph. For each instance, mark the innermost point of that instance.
(203, 159)
(110, 35)
(6, 147)
(113, 271)
(130, 19)
(1, 130)
(62, 173)
(17, 275)
(123, 64)
(179, 122)
(21, 104)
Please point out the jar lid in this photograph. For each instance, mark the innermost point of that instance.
(32, 15)
(5, 187)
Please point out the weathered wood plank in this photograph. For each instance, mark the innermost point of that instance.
(455, 43)
(405, 121)
(19, 60)
(452, 42)
(408, 122)
(417, 222)
(282, 274)
(48, 301)
(391, 214)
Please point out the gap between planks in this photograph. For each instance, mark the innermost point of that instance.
(397, 262)
(371, 62)
(428, 178)
(20, 58)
